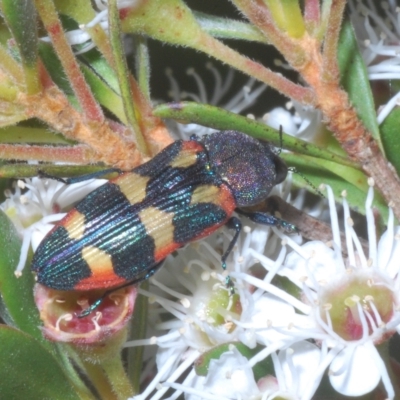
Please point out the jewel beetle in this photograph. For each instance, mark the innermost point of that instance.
(121, 232)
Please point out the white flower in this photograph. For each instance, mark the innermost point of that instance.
(229, 377)
(37, 204)
(353, 301)
(304, 122)
(203, 319)
(297, 370)
(207, 317)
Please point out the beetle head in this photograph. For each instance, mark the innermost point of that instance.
(248, 166)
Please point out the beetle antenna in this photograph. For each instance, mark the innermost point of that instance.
(294, 169)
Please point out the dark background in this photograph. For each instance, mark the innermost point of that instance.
(180, 59)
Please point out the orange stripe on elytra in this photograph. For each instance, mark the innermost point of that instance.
(163, 252)
(226, 200)
(101, 267)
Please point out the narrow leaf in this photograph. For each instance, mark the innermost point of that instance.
(354, 78)
(20, 16)
(218, 118)
(225, 28)
(340, 178)
(104, 94)
(390, 138)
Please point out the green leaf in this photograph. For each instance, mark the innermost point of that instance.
(20, 16)
(218, 118)
(390, 138)
(354, 78)
(98, 74)
(260, 370)
(18, 305)
(55, 68)
(31, 170)
(340, 178)
(124, 80)
(225, 28)
(26, 134)
(29, 371)
(104, 94)
(96, 61)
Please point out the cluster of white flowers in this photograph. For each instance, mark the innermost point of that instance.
(335, 312)
(36, 204)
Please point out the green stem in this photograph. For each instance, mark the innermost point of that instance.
(175, 18)
(100, 381)
(21, 19)
(138, 331)
(80, 388)
(83, 13)
(217, 118)
(117, 377)
(123, 75)
(325, 13)
(143, 65)
(30, 170)
(22, 134)
(73, 154)
(224, 28)
(11, 66)
(8, 92)
(287, 15)
(260, 16)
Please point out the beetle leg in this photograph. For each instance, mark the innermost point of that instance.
(233, 223)
(267, 219)
(81, 178)
(97, 303)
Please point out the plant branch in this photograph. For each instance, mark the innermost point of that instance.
(111, 147)
(261, 17)
(330, 49)
(123, 76)
(24, 170)
(142, 65)
(78, 154)
(312, 15)
(11, 67)
(176, 18)
(224, 53)
(52, 23)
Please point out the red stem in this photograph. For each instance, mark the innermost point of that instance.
(52, 23)
(79, 154)
(329, 55)
(312, 12)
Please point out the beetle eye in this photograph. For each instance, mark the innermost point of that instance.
(281, 170)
